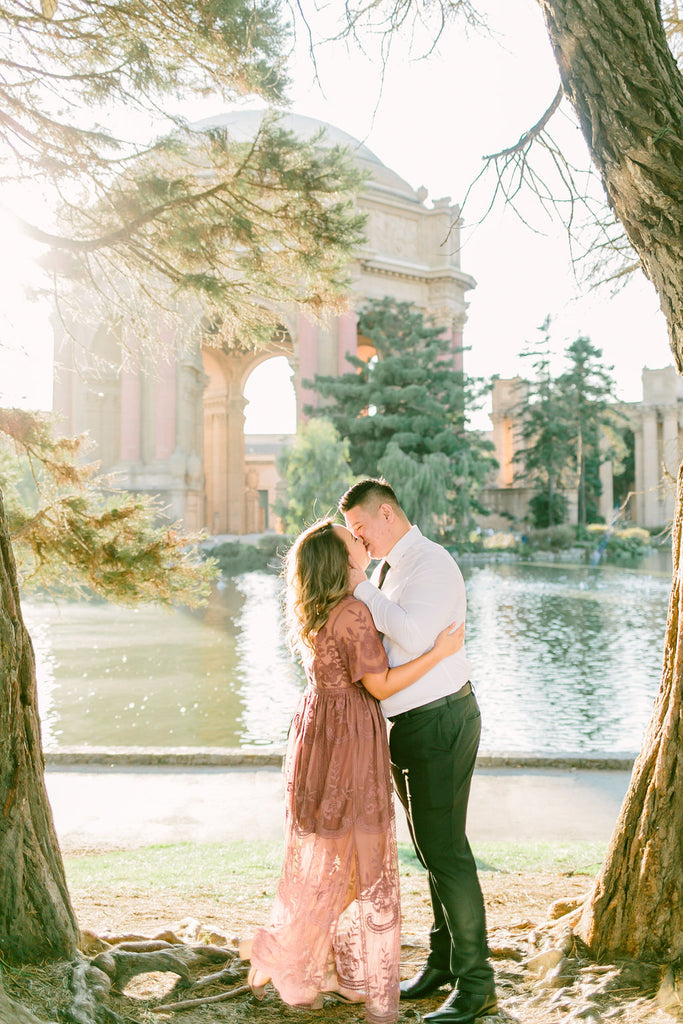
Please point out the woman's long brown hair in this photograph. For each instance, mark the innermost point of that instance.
(317, 571)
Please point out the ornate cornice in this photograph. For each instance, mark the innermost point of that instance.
(421, 274)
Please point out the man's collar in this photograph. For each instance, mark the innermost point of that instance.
(401, 546)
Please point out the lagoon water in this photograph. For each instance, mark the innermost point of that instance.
(566, 658)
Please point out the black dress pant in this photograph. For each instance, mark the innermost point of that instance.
(433, 753)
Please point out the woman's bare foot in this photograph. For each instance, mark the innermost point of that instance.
(257, 982)
(345, 995)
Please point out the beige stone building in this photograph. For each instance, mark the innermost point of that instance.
(656, 423)
(175, 426)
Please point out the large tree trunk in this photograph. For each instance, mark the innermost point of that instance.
(636, 908)
(627, 90)
(623, 81)
(36, 918)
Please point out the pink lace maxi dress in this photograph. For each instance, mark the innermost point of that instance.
(336, 916)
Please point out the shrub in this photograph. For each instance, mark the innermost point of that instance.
(540, 508)
(500, 542)
(555, 538)
(631, 542)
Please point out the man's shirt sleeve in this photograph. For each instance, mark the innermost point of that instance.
(427, 603)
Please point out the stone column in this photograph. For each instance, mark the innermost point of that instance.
(671, 459)
(63, 378)
(191, 382)
(131, 394)
(606, 491)
(100, 403)
(348, 341)
(328, 348)
(306, 366)
(234, 456)
(165, 440)
(456, 344)
(651, 468)
(506, 398)
(215, 435)
(638, 500)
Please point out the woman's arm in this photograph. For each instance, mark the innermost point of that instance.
(384, 684)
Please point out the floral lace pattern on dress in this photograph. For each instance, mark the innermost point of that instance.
(336, 916)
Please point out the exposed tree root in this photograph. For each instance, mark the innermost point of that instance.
(121, 964)
(544, 974)
(113, 968)
(90, 987)
(92, 981)
(189, 1004)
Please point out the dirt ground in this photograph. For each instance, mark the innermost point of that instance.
(517, 909)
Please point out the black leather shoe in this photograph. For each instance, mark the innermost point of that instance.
(464, 1008)
(426, 982)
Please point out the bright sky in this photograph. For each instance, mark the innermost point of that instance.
(431, 121)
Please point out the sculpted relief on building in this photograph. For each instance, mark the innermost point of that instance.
(173, 425)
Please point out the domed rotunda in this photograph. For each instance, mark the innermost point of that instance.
(177, 430)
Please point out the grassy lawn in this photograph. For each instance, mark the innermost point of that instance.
(212, 868)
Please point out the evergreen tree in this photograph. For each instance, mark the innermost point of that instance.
(150, 211)
(73, 532)
(405, 414)
(569, 426)
(316, 470)
(596, 428)
(545, 436)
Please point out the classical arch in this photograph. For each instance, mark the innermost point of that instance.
(234, 495)
(173, 427)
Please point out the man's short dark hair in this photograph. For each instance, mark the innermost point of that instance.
(371, 490)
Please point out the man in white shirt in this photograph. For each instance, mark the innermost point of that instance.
(416, 591)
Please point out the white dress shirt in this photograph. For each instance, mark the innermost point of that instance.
(423, 592)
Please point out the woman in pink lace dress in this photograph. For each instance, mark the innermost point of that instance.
(335, 923)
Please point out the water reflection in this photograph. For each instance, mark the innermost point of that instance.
(270, 682)
(566, 658)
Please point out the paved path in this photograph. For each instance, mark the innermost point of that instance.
(126, 807)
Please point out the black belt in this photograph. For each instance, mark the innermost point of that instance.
(440, 702)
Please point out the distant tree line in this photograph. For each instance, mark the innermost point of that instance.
(405, 412)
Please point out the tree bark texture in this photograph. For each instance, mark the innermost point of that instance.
(627, 90)
(636, 908)
(621, 77)
(36, 918)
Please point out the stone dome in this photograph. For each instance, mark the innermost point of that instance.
(243, 124)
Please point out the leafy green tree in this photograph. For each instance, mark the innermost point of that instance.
(405, 413)
(548, 509)
(316, 470)
(545, 437)
(423, 485)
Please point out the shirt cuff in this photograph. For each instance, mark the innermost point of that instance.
(365, 591)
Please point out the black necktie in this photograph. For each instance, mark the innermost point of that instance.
(385, 567)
